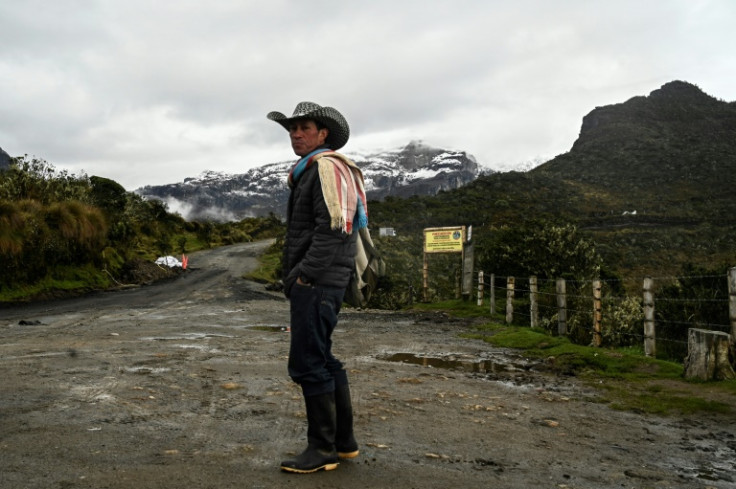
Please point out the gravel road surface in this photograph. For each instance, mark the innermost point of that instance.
(183, 384)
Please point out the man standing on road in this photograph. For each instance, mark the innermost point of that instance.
(326, 205)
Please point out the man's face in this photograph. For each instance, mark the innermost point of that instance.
(305, 136)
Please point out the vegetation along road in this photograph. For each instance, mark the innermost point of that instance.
(183, 384)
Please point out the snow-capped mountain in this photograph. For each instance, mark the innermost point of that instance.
(416, 169)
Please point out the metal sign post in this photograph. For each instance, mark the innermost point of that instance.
(444, 240)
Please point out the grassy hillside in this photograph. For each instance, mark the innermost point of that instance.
(646, 189)
(61, 233)
(651, 181)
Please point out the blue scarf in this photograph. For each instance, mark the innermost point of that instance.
(361, 220)
(298, 169)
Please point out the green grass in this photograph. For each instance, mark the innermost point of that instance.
(148, 248)
(577, 359)
(654, 398)
(458, 308)
(266, 272)
(60, 279)
(269, 265)
(624, 377)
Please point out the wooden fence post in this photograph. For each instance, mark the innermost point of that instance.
(425, 279)
(650, 346)
(493, 293)
(533, 306)
(732, 303)
(597, 339)
(707, 355)
(561, 307)
(510, 299)
(458, 283)
(480, 288)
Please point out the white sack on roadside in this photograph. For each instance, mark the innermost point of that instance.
(169, 261)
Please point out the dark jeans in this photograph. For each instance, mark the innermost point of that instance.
(314, 311)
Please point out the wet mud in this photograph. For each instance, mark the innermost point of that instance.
(183, 384)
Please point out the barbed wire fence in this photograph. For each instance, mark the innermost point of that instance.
(600, 313)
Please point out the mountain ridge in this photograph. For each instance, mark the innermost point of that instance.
(5, 160)
(677, 123)
(651, 180)
(414, 169)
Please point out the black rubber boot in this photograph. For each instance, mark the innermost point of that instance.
(320, 453)
(345, 442)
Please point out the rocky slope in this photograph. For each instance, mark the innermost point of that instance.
(674, 135)
(4, 160)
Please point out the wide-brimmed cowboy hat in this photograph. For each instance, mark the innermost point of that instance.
(328, 116)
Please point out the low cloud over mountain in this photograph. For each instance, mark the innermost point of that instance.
(416, 169)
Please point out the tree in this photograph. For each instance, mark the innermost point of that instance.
(543, 249)
(108, 194)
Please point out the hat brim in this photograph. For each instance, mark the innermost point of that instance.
(339, 131)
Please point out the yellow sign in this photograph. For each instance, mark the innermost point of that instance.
(444, 240)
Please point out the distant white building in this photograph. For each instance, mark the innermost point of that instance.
(386, 232)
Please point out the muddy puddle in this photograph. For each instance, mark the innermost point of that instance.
(461, 362)
(268, 328)
(186, 336)
(141, 370)
(512, 372)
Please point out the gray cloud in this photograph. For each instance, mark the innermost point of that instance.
(152, 92)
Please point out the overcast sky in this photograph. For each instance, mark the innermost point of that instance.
(152, 92)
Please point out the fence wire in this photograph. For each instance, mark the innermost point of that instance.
(674, 314)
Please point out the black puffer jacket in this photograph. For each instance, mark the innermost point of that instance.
(312, 250)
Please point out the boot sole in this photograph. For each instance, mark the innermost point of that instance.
(310, 471)
(348, 454)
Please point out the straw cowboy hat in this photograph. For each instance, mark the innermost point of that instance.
(328, 116)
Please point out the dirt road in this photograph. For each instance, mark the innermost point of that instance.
(183, 384)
